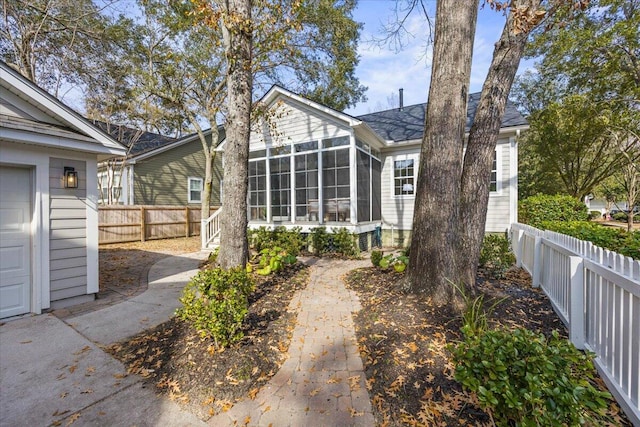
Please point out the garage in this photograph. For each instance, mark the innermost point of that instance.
(15, 240)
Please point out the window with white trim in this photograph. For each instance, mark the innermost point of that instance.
(195, 186)
(493, 184)
(404, 177)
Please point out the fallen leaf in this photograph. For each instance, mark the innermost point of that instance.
(83, 350)
(72, 419)
(253, 393)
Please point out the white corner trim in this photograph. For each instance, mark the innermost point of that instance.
(513, 180)
(92, 227)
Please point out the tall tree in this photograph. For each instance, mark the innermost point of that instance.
(61, 45)
(442, 251)
(596, 56)
(435, 232)
(237, 30)
(483, 136)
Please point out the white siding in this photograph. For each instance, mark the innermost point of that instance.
(397, 212)
(498, 212)
(68, 231)
(293, 122)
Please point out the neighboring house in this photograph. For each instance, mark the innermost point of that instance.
(163, 171)
(114, 178)
(310, 165)
(48, 199)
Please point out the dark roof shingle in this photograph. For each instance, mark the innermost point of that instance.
(142, 141)
(408, 124)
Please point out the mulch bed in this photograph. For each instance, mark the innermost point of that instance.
(192, 372)
(402, 338)
(403, 342)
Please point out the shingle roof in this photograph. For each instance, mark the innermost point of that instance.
(408, 124)
(142, 141)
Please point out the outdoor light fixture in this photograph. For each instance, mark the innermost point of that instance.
(70, 177)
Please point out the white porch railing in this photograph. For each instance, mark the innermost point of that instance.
(210, 229)
(596, 293)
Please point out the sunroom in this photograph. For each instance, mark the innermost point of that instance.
(331, 182)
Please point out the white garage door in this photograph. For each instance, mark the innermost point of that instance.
(15, 241)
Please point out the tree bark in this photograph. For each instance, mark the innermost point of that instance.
(483, 136)
(237, 31)
(432, 266)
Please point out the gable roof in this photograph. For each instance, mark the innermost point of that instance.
(177, 143)
(142, 141)
(71, 130)
(408, 124)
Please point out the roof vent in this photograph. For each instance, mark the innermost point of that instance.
(401, 99)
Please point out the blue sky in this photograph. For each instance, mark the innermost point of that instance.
(384, 71)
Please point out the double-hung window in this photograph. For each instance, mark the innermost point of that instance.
(195, 190)
(404, 177)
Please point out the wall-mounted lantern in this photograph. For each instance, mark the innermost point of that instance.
(70, 177)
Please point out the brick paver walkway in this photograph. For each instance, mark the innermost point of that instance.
(322, 382)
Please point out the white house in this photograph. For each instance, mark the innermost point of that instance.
(48, 199)
(310, 165)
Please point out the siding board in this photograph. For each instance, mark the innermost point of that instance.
(68, 272)
(162, 179)
(68, 232)
(298, 123)
(398, 211)
(57, 295)
(68, 253)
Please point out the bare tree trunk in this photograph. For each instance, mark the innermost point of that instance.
(432, 265)
(237, 33)
(483, 136)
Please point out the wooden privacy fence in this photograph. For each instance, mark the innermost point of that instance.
(117, 224)
(596, 293)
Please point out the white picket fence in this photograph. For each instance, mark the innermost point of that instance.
(596, 293)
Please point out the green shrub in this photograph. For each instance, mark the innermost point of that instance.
(495, 255)
(595, 215)
(376, 256)
(320, 240)
(612, 238)
(620, 216)
(260, 238)
(291, 240)
(215, 302)
(273, 260)
(400, 263)
(631, 245)
(345, 242)
(525, 379)
(386, 261)
(535, 209)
